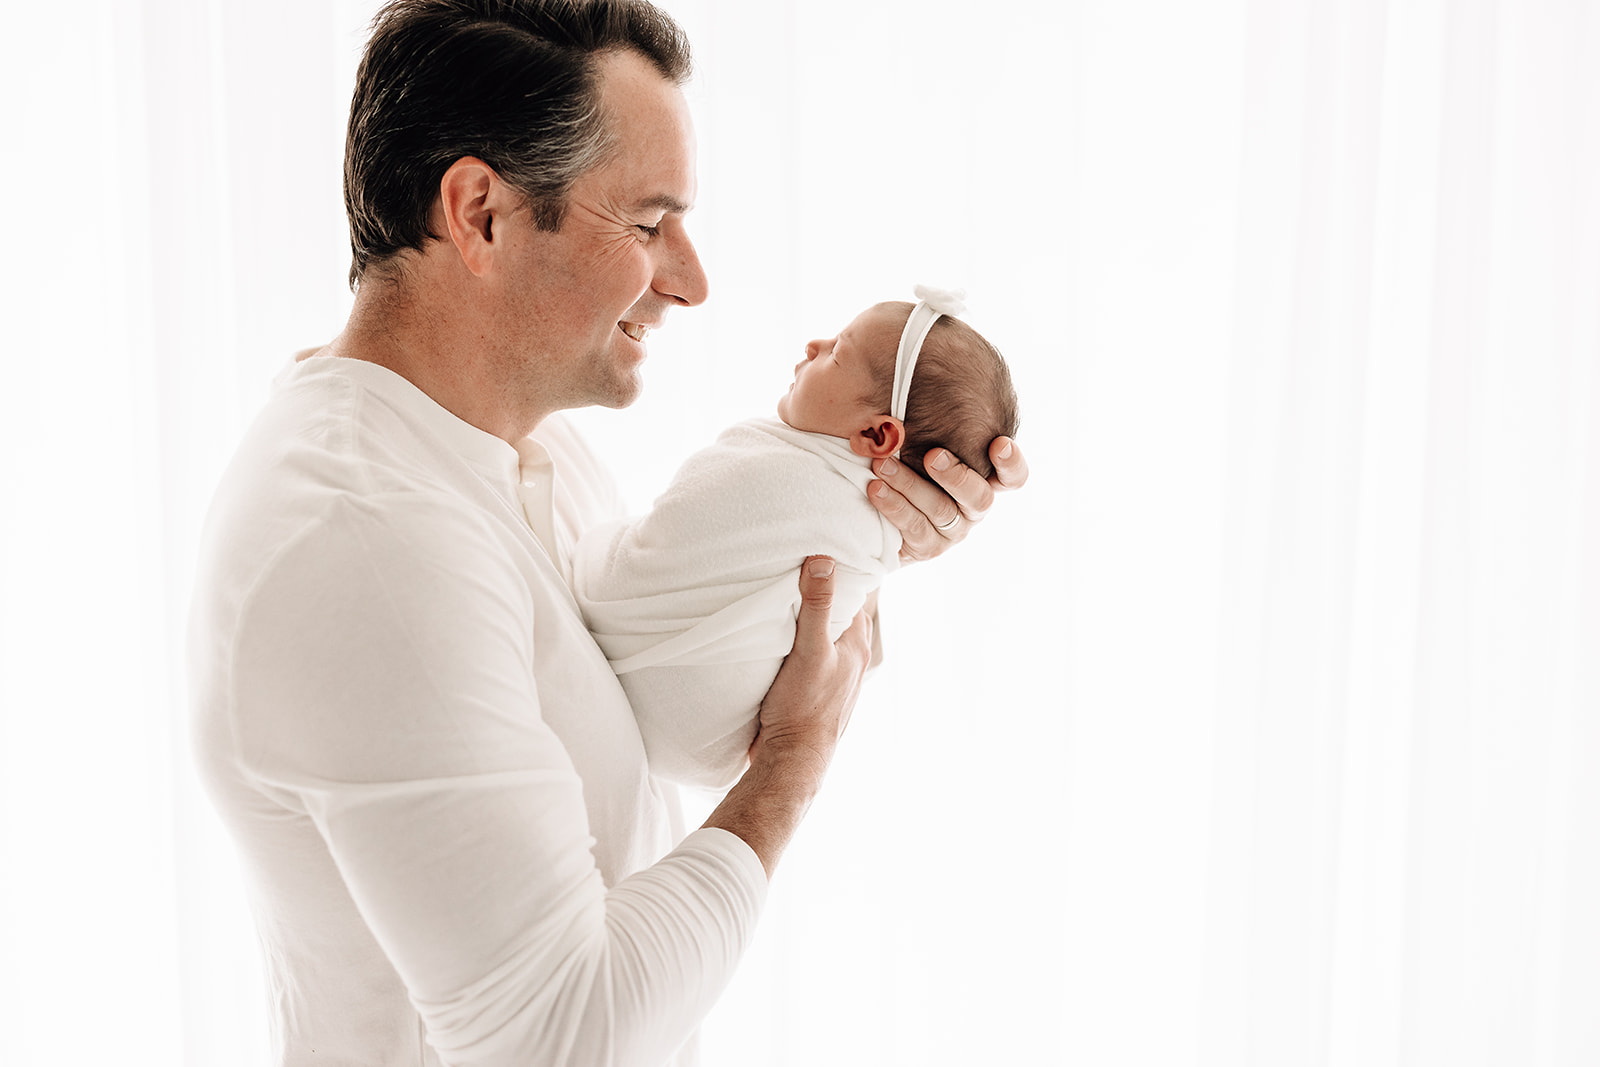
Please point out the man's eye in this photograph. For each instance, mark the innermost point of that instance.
(650, 231)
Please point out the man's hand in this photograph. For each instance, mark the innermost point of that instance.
(812, 697)
(932, 517)
(802, 717)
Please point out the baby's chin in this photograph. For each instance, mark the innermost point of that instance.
(785, 414)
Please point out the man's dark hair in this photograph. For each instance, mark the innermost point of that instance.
(512, 82)
(961, 394)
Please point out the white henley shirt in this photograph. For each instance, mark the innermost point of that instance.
(440, 794)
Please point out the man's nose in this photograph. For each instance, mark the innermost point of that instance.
(680, 276)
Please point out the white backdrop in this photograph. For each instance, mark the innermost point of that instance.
(1260, 729)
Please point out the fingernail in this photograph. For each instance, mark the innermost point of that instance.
(888, 467)
(940, 460)
(1005, 451)
(878, 489)
(820, 568)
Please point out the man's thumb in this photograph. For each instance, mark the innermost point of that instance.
(816, 598)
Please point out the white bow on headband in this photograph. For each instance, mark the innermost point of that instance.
(931, 303)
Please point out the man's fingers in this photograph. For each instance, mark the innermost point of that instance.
(936, 512)
(917, 535)
(857, 639)
(855, 645)
(973, 494)
(929, 501)
(1010, 466)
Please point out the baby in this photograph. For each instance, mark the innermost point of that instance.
(695, 602)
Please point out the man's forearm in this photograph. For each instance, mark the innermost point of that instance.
(765, 807)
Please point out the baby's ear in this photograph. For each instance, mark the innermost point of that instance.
(881, 436)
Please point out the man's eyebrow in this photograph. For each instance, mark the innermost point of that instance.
(664, 202)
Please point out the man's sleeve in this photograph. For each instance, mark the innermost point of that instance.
(384, 686)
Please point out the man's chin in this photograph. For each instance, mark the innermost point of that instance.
(623, 393)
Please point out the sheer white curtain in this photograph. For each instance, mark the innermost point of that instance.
(1258, 730)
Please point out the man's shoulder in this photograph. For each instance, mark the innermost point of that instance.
(341, 543)
(330, 472)
(339, 427)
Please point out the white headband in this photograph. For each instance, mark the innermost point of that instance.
(931, 303)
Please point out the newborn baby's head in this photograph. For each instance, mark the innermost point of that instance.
(961, 394)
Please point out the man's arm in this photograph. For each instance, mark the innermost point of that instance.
(385, 693)
(802, 718)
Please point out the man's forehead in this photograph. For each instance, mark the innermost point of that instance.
(654, 136)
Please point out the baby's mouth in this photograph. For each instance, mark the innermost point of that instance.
(634, 330)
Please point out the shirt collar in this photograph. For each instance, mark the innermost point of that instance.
(495, 459)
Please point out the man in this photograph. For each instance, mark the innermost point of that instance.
(456, 851)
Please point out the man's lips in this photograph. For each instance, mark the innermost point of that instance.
(637, 331)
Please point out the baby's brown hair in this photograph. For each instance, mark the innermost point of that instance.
(961, 393)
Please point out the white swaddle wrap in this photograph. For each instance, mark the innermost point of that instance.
(695, 602)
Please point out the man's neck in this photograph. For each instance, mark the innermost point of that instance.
(432, 352)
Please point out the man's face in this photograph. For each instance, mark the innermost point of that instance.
(587, 295)
(833, 383)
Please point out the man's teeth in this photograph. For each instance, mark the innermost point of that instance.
(634, 330)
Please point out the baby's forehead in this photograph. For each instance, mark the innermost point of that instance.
(880, 324)
(890, 313)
